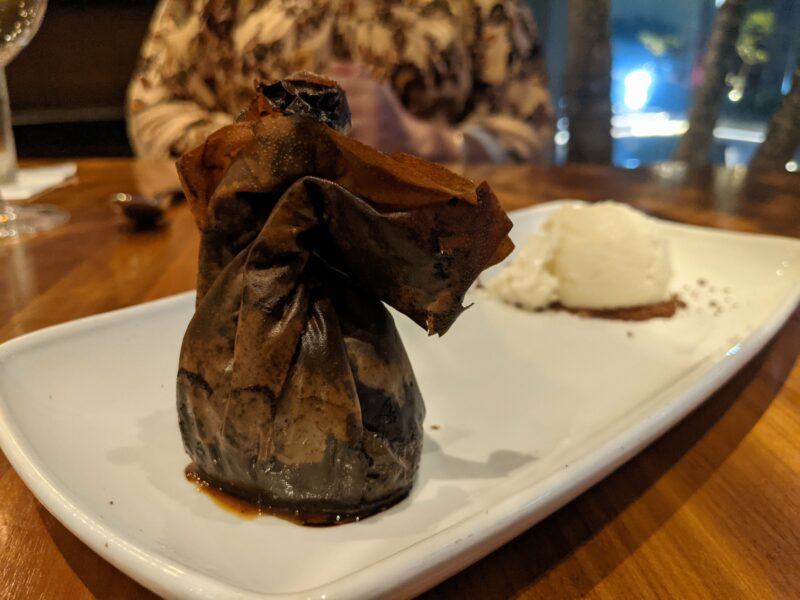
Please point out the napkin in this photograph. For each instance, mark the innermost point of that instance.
(35, 180)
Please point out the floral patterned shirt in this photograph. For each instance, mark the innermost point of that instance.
(473, 64)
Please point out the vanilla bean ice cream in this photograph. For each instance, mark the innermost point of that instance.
(600, 256)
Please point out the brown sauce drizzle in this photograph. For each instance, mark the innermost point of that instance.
(226, 501)
(664, 310)
(250, 510)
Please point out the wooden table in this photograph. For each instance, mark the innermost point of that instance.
(711, 510)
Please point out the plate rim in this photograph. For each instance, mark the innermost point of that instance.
(426, 562)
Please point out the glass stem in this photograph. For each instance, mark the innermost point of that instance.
(8, 150)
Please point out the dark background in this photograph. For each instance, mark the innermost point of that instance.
(67, 87)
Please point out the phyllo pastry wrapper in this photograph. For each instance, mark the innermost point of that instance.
(294, 390)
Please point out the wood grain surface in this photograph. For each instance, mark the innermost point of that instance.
(710, 510)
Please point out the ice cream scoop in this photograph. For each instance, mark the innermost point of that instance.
(589, 256)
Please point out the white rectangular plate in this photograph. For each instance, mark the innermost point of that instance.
(525, 411)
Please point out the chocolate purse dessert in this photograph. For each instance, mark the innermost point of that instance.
(294, 390)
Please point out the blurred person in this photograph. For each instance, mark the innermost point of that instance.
(448, 80)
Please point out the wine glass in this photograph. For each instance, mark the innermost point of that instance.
(19, 22)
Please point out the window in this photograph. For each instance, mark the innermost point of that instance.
(657, 52)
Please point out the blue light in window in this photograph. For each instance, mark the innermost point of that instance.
(637, 88)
